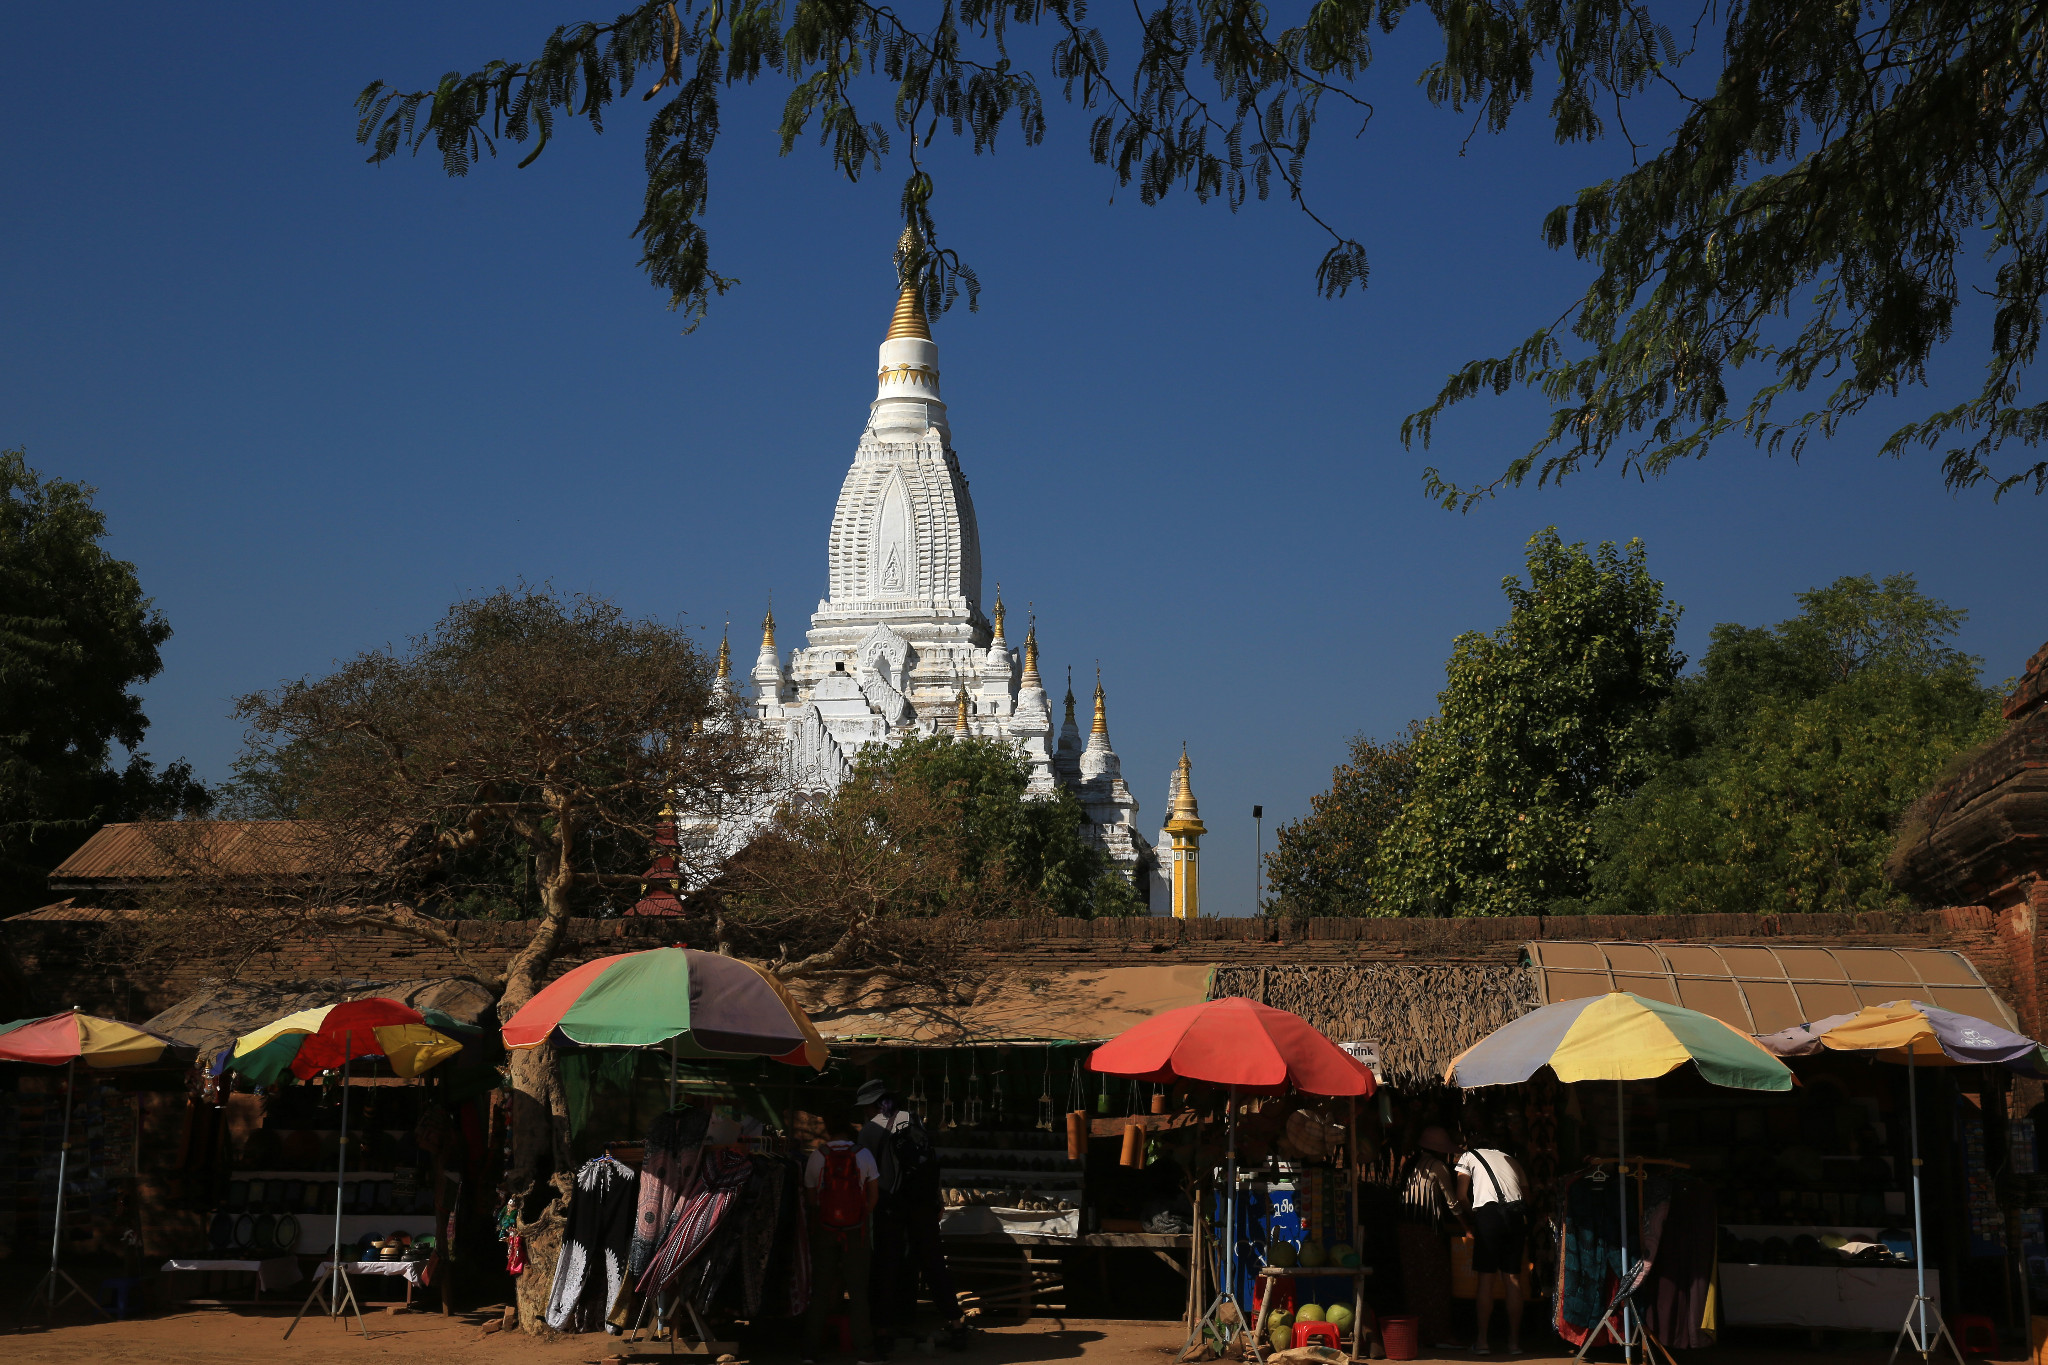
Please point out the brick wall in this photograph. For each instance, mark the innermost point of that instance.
(67, 962)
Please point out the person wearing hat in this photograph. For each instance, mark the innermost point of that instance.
(906, 1220)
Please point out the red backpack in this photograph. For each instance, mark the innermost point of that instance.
(842, 1193)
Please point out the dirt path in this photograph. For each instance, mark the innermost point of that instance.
(221, 1337)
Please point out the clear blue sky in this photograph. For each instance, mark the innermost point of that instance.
(321, 400)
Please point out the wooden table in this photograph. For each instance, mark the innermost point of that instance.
(1039, 1276)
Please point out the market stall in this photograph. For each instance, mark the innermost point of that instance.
(1241, 1048)
(1040, 1212)
(698, 1218)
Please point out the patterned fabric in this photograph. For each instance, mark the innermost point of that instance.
(674, 1142)
(720, 1174)
(600, 1226)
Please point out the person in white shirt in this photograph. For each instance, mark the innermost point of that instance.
(1490, 1188)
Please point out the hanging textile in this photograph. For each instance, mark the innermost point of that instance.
(592, 1267)
(1589, 1267)
(1675, 1297)
(674, 1142)
(711, 1272)
(791, 1268)
(764, 1222)
(720, 1174)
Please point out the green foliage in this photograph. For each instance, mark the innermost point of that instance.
(1809, 215)
(76, 634)
(957, 73)
(998, 837)
(1540, 724)
(1792, 754)
(1325, 862)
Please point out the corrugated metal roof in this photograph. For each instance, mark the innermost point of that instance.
(155, 850)
(1762, 988)
(71, 911)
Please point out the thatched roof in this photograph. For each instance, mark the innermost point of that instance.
(219, 1012)
(1421, 1016)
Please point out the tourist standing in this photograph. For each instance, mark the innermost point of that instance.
(1490, 1187)
(841, 1187)
(906, 1220)
(1429, 1205)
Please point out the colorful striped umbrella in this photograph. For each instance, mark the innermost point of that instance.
(76, 1037)
(1901, 1028)
(699, 1004)
(1617, 1037)
(326, 1037)
(1914, 1034)
(66, 1040)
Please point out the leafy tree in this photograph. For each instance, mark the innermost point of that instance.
(1792, 754)
(938, 826)
(1539, 725)
(76, 636)
(1808, 215)
(526, 729)
(1325, 863)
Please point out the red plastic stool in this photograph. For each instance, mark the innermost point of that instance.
(1975, 1333)
(1326, 1332)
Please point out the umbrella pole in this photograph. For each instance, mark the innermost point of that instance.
(1628, 1339)
(47, 1288)
(340, 1175)
(1230, 1204)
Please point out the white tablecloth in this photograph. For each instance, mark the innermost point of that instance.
(274, 1272)
(1874, 1298)
(412, 1270)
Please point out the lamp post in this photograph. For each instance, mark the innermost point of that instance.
(1258, 856)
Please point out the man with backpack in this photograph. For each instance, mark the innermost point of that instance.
(841, 1185)
(906, 1220)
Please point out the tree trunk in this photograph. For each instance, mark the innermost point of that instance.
(542, 1165)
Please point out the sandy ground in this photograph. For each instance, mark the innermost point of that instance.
(236, 1337)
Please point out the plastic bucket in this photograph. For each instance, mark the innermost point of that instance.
(1402, 1337)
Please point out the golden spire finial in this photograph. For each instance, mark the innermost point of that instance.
(1184, 791)
(768, 628)
(909, 320)
(960, 712)
(1031, 678)
(1101, 726)
(998, 614)
(725, 654)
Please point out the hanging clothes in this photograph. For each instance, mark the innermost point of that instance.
(1589, 1244)
(721, 1173)
(764, 1224)
(591, 1269)
(1676, 1297)
(674, 1142)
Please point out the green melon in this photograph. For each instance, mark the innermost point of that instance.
(1281, 1254)
(1312, 1254)
(1309, 1312)
(1339, 1316)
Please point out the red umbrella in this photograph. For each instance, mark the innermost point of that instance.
(1234, 1042)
